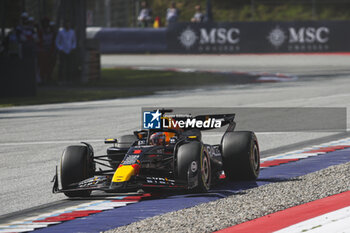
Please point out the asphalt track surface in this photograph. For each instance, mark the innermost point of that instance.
(310, 65)
(32, 138)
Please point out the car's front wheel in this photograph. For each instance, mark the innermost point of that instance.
(76, 165)
(193, 166)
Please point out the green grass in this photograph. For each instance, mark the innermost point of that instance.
(62, 95)
(127, 78)
(117, 83)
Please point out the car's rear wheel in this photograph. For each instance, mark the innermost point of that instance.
(76, 165)
(193, 161)
(205, 175)
(116, 154)
(126, 141)
(241, 156)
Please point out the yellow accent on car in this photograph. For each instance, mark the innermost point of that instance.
(111, 140)
(123, 173)
(192, 137)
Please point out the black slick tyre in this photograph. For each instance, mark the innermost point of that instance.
(241, 156)
(76, 165)
(116, 154)
(193, 157)
(126, 141)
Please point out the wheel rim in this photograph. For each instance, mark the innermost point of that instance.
(205, 170)
(255, 158)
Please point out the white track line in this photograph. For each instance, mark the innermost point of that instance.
(336, 221)
(300, 153)
(11, 230)
(47, 142)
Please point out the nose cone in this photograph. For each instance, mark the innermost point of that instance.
(124, 173)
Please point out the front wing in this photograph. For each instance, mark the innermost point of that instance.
(103, 183)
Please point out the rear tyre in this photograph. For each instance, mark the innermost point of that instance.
(192, 158)
(241, 156)
(116, 154)
(126, 141)
(76, 165)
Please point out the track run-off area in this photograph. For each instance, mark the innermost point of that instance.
(32, 139)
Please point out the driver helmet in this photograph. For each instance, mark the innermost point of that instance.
(157, 139)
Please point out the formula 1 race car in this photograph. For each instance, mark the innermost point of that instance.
(169, 158)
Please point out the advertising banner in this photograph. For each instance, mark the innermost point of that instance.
(259, 37)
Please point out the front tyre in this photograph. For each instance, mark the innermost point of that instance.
(193, 166)
(241, 156)
(76, 165)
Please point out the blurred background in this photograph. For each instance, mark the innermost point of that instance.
(38, 52)
(124, 13)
